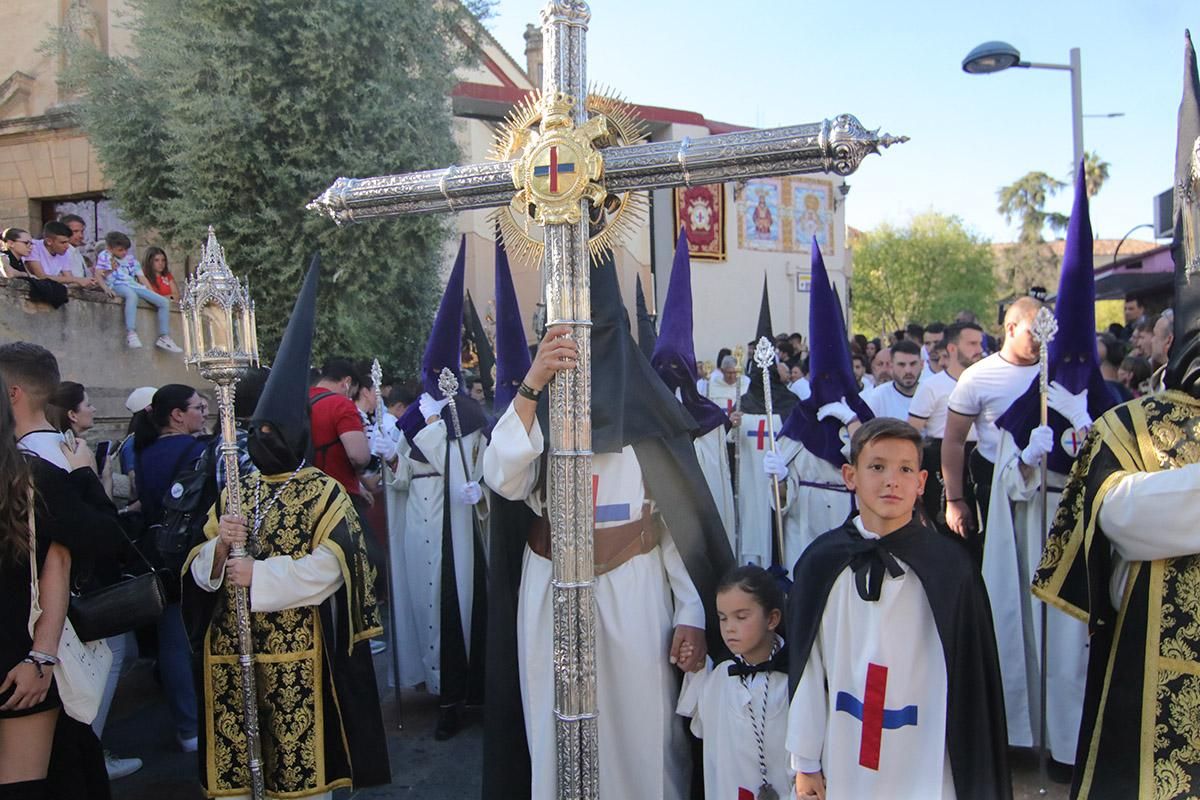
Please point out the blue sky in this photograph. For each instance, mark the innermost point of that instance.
(898, 65)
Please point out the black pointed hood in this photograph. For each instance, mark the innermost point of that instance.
(765, 328)
(284, 402)
(647, 335)
(629, 401)
(1183, 368)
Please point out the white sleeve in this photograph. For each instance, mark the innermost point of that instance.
(202, 566)
(432, 442)
(689, 609)
(283, 582)
(690, 696)
(922, 402)
(807, 715)
(1152, 515)
(510, 462)
(962, 399)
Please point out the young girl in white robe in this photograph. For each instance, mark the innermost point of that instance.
(740, 707)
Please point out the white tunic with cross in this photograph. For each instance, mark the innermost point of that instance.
(754, 488)
(870, 709)
(643, 748)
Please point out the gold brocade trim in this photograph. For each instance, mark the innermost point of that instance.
(1150, 682)
(1089, 769)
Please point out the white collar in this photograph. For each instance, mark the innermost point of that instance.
(866, 534)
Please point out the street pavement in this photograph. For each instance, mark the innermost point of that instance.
(421, 767)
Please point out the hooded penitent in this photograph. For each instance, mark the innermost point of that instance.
(444, 351)
(1073, 358)
(647, 335)
(478, 339)
(279, 435)
(830, 372)
(674, 356)
(1183, 370)
(764, 327)
(512, 350)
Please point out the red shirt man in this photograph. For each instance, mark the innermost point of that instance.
(339, 442)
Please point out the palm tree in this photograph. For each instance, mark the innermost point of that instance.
(1025, 201)
(1095, 172)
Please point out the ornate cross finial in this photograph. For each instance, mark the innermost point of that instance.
(376, 374)
(1045, 327)
(764, 353)
(447, 383)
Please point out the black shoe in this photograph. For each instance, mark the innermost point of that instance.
(1059, 772)
(447, 724)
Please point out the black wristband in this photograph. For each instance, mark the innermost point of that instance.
(527, 391)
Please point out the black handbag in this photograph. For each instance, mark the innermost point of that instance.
(126, 605)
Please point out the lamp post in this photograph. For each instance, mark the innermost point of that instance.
(996, 56)
(220, 341)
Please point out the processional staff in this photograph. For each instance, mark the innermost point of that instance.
(1045, 328)
(448, 383)
(380, 411)
(739, 354)
(764, 357)
(221, 342)
(554, 170)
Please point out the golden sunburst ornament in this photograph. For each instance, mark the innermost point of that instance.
(558, 165)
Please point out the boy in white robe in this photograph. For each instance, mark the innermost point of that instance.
(896, 686)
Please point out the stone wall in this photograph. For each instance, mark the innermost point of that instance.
(88, 337)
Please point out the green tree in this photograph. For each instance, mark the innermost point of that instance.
(1025, 199)
(236, 113)
(927, 271)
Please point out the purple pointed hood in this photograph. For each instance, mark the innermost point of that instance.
(512, 349)
(674, 356)
(830, 372)
(1073, 358)
(444, 351)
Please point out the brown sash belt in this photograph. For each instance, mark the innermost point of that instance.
(612, 546)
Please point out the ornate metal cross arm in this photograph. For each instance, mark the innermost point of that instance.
(837, 146)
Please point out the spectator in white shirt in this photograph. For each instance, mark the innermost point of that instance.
(53, 257)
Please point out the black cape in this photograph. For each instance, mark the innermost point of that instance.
(976, 731)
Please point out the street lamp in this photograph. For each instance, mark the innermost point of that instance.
(996, 56)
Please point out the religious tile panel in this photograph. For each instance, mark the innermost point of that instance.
(784, 214)
(701, 212)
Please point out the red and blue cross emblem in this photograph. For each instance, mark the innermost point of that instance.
(615, 512)
(760, 433)
(874, 717)
(553, 169)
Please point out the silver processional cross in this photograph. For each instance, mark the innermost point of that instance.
(559, 175)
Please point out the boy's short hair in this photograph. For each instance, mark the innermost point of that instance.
(908, 346)
(32, 367)
(55, 228)
(954, 331)
(335, 369)
(882, 428)
(117, 239)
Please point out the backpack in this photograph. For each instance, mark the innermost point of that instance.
(192, 492)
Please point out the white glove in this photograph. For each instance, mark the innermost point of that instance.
(383, 446)
(430, 407)
(801, 388)
(1072, 406)
(1041, 441)
(470, 493)
(838, 410)
(774, 465)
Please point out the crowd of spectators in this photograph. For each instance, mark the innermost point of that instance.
(61, 259)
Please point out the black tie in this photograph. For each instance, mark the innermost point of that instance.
(869, 566)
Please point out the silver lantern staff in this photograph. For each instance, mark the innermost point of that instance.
(448, 383)
(221, 343)
(739, 355)
(1045, 328)
(764, 357)
(380, 411)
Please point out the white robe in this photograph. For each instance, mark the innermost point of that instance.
(423, 540)
(720, 707)
(1011, 553)
(809, 511)
(755, 494)
(713, 455)
(642, 743)
(723, 394)
(405, 638)
(896, 633)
